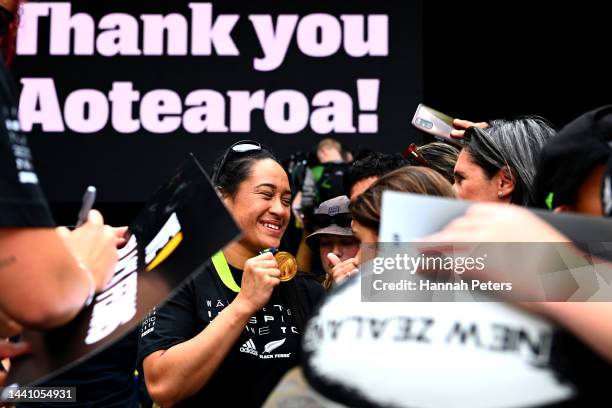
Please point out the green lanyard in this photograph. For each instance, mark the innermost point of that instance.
(223, 270)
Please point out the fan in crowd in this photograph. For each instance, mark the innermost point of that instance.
(333, 239)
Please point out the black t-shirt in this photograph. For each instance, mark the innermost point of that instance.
(267, 348)
(105, 380)
(22, 203)
(330, 185)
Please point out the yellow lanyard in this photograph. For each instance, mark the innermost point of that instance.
(223, 270)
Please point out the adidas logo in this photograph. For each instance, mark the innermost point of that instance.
(249, 347)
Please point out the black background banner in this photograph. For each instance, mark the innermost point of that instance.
(319, 81)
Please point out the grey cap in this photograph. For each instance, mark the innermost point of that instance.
(332, 207)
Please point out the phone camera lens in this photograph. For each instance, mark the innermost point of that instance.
(425, 123)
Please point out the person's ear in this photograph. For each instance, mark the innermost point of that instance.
(505, 183)
(227, 198)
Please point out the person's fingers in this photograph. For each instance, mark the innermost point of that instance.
(462, 124)
(264, 256)
(63, 232)
(120, 242)
(95, 217)
(271, 272)
(333, 258)
(458, 134)
(8, 326)
(351, 273)
(348, 264)
(340, 271)
(120, 231)
(108, 231)
(266, 264)
(10, 350)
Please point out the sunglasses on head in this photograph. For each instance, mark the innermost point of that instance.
(323, 220)
(411, 153)
(241, 147)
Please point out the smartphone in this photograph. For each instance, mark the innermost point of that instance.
(435, 123)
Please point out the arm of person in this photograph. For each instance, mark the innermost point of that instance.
(43, 284)
(179, 372)
(591, 322)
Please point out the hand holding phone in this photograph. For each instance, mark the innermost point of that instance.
(460, 126)
(433, 122)
(88, 200)
(442, 126)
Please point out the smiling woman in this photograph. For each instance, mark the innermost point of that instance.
(215, 330)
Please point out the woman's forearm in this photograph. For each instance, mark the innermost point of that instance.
(589, 321)
(181, 371)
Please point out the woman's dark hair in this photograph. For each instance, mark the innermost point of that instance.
(512, 145)
(366, 208)
(441, 157)
(237, 168)
(373, 164)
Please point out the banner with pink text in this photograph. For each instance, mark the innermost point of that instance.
(113, 93)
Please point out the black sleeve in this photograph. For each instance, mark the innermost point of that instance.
(171, 324)
(315, 290)
(22, 203)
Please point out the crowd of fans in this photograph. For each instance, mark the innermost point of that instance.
(498, 163)
(236, 326)
(196, 351)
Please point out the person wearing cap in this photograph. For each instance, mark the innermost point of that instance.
(575, 167)
(334, 240)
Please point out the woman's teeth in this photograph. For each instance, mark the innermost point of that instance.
(271, 226)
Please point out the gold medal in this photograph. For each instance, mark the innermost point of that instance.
(287, 264)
